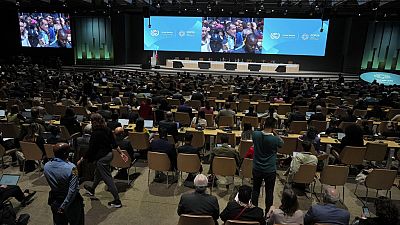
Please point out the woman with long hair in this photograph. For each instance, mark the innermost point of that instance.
(288, 212)
(102, 142)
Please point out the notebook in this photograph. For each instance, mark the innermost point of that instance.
(9, 179)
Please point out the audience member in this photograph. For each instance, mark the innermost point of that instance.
(187, 148)
(318, 115)
(247, 132)
(113, 123)
(170, 125)
(251, 112)
(288, 212)
(162, 145)
(386, 213)
(199, 120)
(146, 110)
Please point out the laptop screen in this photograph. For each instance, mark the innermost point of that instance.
(9, 179)
(148, 123)
(308, 114)
(2, 113)
(26, 114)
(79, 118)
(123, 122)
(340, 136)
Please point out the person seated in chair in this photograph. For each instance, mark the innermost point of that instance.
(187, 148)
(170, 125)
(199, 202)
(242, 209)
(302, 158)
(318, 115)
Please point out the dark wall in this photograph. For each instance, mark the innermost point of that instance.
(343, 51)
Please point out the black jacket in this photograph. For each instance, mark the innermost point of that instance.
(233, 209)
(317, 116)
(102, 142)
(196, 203)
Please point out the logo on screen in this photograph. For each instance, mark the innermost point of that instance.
(181, 33)
(154, 33)
(275, 35)
(305, 36)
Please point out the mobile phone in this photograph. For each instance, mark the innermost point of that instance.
(365, 211)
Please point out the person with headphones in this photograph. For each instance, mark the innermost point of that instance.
(64, 198)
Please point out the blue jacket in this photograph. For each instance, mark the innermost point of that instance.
(326, 214)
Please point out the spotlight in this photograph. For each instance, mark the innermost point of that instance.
(359, 14)
(222, 10)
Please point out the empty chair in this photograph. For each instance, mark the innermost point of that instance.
(284, 109)
(223, 166)
(289, 146)
(297, 126)
(320, 126)
(118, 162)
(376, 151)
(380, 179)
(334, 176)
(262, 107)
(226, 121)
(241, 222)
(352, 155)
(186, 219)
(231, 136)
(199, 138)
(246, 169)
(31, 151)
(139, 140)
(159, 162)
(244, 146)
(243, 106)
(183, 118)
(188, 163)
(251, 120)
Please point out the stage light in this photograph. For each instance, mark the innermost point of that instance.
(359, 14)
(222, 10)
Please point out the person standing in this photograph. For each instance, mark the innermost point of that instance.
(102, 142)
(64, 199)
(266, 144)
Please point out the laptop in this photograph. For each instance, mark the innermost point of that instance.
(47, 117)
(148, 124)
(26, 114)
(9, 179)
(340, 136)
(308, 115)
(96, 84)
(79, 118)
(123, 122)
(2, 113)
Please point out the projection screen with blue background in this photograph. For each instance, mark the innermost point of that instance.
(236, 35)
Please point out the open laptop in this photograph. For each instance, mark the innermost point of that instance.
(9, 179)
(26, 114)
(123, 122)
(340, 136)
(79, 118)
(148, 124)
(309, 114)
(2, 113)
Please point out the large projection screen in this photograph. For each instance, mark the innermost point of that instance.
(236, 35)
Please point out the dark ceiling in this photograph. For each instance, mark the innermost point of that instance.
(370, 9)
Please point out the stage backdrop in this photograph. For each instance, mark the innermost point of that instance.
(382, 47)
(93, 39)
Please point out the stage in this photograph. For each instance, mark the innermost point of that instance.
(166, 70)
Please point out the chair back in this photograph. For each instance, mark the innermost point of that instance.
(352, 155)
(334, 175)
(30, 150)
(340, 112)
(231, 136)
(170, 138)
(199, 138)
(383, 127)
(9, 130)
(360, 113)
(241, 222)
(48, 148)
(381, 179)
(118, 162)
(226, 121)
(306, 174)
(376, 151)
(80, 110)
(321, 126)
(262, 107)
(284, 109)
(139, 140)
(246, 169)
(224, 166)
(243, 105)
(344, 125)
(64, 133)
(392, 113)
(303, 109)
(183, 118)
(195, 104)
(2, 151)
(210, 120)
(251, 120)
(188, 163)
(59, 109)
(158, 161)
(297, 126)
(244, 146)
(289, 146)
(186, 219)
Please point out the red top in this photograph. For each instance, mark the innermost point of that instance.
(146, 111)
(250, 153)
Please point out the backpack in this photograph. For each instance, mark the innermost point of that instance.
(8, 215)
